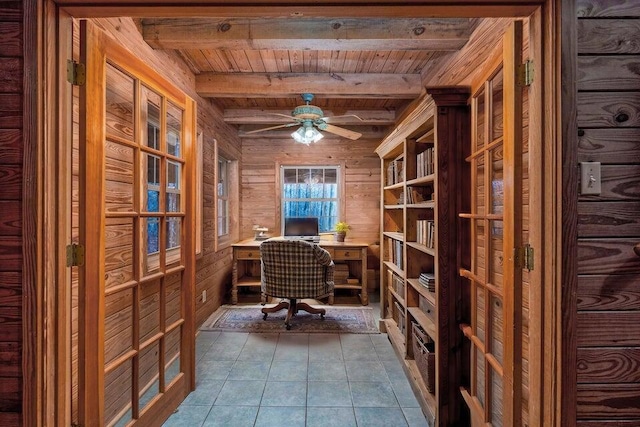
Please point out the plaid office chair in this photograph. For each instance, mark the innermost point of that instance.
(293, 270)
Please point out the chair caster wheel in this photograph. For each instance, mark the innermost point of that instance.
(321, 316)
(264, 317)
(288, 327)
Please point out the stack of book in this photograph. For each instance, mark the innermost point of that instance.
(425, 232)
(424, 163)
(428, 280)
(415, 196)
(395, 172)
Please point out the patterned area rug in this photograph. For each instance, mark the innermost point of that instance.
(233, 318)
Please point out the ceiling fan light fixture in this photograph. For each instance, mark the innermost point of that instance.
(307, 134)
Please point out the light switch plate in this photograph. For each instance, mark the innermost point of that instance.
(590, 178)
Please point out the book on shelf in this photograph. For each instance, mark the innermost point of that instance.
(425, 232)
(395, 172)
(396, 283)
(414, 196)
(394, 249)
(427, 280)
(424, 163)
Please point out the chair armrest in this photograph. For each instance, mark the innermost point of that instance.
(322, 255)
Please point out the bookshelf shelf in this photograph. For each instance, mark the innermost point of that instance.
(394, 235)
(427, 324)
(427, 137)
(430, 296)
(395, 336)
(423, 180)
(423, 205)
(422, 248)
(391, 266)
(398, 297)
(397, 186)
(423, 162)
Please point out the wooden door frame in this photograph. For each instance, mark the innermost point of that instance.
(44, 274)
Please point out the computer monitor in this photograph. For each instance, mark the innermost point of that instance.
(301, 227)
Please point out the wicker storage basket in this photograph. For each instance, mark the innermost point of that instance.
(424, 355)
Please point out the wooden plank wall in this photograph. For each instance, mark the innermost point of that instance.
(362, 181)
(213, 269)
(608, 294)
(11, 260)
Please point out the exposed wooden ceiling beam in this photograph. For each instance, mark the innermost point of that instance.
(344, 117)
(300, 8)
(368, 132)
(343, 85)
(307, 34)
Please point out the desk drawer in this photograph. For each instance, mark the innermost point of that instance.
(347, 254)
(248, 253)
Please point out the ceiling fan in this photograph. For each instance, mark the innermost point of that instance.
(310, 119)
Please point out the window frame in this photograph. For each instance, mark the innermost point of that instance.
(223, 166)
(341, 168)
(233, 202)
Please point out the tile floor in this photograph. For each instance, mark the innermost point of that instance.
(291, 379)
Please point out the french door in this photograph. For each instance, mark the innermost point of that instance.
(135, 292)
(494, 277)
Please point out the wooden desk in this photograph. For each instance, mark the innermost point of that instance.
(246, 265)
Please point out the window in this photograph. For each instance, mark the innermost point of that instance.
(162, 162)
(311, 191)
(226, 202)
(223, 197)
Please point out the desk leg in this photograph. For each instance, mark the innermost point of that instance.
(364, 296)
(234, 281)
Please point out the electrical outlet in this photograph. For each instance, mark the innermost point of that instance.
(590, 178)
(204, 296)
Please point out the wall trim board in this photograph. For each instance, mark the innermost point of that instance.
(569, 277)
(33, 302)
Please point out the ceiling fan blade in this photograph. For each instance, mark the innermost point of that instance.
(273, 127)
(330, 118)
(283, 115)
(342, 131)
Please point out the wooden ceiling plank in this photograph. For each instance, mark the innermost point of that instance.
(296, 59)
(310, 61)
(392, 61)
(336, 85)
(239, 57)
(377, 64)
(217, 60)
(282, 61)
(352, 59)
(255, 61)
(337, 61)
(188, 59)
(269, 61)
(324, 61)
(262, 116)
(307, 33)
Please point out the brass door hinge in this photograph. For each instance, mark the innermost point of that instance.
(76, 73)
(524, 257)
(525, 73)
(75, 255)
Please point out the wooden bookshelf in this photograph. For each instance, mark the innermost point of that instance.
(421, 212)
